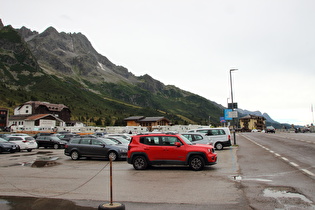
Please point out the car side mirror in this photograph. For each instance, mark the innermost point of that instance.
(177, 144)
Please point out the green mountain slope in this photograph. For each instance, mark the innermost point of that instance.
(64, 68)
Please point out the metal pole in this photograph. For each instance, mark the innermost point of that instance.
(111, 181)
(232, 103)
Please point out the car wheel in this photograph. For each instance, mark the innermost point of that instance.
(219, 146)
(140, 163)
(75, 155)
(112, 155)
(29, 150)
(56, 146)
(196, 163)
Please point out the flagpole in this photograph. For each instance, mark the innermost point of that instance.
(312, 113)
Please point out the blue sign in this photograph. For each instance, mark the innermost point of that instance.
(226, 114)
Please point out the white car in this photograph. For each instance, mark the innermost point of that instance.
(219, 137)
(25, 142)
(197, 138)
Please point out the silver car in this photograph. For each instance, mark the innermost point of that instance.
(25, 142)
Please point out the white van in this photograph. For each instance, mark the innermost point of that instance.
(219, 137)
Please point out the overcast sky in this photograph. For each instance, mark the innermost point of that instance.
(193, 44)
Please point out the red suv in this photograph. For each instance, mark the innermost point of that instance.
(168, 149)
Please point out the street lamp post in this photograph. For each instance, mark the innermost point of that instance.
(232, 102)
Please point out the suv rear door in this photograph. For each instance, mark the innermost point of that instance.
(152, 147)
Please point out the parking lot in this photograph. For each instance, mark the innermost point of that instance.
(86, 181)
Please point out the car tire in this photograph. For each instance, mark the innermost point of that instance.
(29, 150)
(196, 163)
(219, 146)
(112, 155)
(56, 146)
(75, 155)
(140, 163)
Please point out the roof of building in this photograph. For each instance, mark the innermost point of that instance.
(134, 118)
(153, 119)
(145, 119)
(251, 116)
(33, 117)
(51, 107)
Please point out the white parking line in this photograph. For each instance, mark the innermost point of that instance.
(308, 172)
(294, 164)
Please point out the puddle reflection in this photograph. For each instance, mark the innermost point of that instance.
(15, 203)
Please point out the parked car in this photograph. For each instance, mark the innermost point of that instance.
(168, 149)
(219, 137)
(95, 147)
(43, 134)
(3, 135)
(270, 129)
(19, 134)
(50, 141)
(125, 136)
(6, 146)
(198, 138)
(68, 136)
(25, 142)
(118, 140)
(100, 134)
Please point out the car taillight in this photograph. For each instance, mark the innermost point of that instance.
(229, 137)
(24, 141)
(66, 146)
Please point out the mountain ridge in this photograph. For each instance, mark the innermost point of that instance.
(73, 68)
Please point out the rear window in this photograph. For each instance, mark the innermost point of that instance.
(198, 137)
(85, 141)
(213, 132)
(75, 141)
(150, 140)
(217, 132)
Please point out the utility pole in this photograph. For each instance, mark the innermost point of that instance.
(232, 102)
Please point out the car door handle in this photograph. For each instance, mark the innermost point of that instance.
(146, 149)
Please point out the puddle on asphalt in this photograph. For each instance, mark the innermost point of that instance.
(288, 197)
(284, 194)
(39, 161)
(17, 203)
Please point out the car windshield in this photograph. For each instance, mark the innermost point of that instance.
(186, 140)
(120, 140)
(108, 141)
(54, 138)
(29, 138)
(3, 140)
